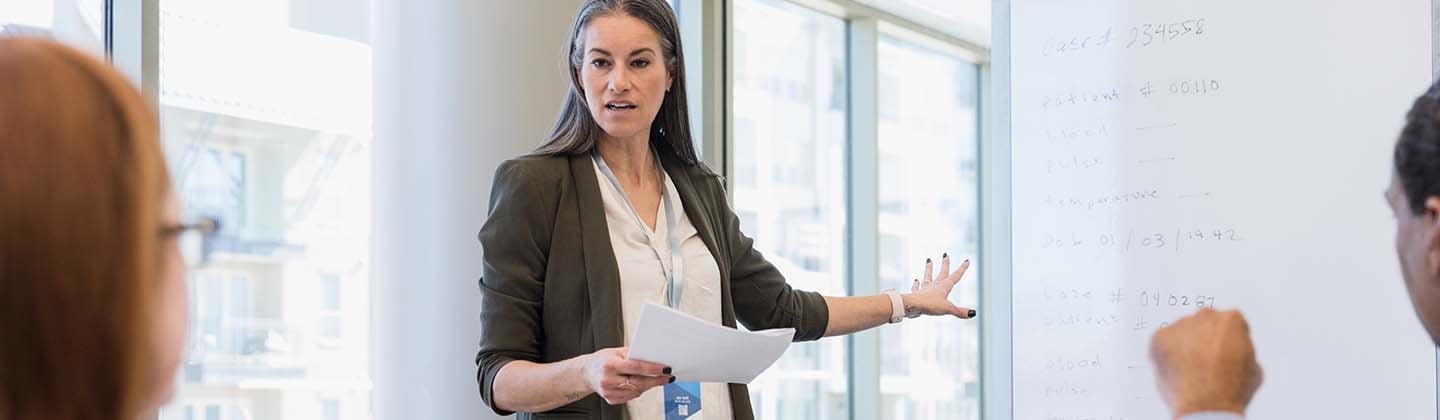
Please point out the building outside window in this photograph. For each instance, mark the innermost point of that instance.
(929, 204)
(265, 112)
(789, 190)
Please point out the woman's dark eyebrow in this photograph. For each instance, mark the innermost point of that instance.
(632, 54)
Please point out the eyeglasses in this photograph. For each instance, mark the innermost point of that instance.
(196, 239)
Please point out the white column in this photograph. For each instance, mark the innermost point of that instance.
(864, 203)
(996, 364)
(459, 86)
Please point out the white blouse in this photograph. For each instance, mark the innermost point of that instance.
(642, 280)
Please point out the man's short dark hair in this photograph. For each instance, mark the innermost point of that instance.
(1417, 154)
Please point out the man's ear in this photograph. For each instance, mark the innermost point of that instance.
(1430, 217)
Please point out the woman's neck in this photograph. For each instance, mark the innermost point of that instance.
(630, 159)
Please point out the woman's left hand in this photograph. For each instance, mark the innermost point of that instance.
(931, 295)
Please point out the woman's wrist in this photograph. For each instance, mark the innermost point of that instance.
(911, 309)
(579, 383)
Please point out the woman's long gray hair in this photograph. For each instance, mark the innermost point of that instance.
(576, 131)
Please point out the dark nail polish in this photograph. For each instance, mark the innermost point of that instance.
(666, 371)
(672, 380)
(972, 313)
(945, 255)
(927, 260)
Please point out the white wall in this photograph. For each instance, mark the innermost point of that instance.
(457, 90)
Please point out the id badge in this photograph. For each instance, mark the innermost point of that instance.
(682, 400)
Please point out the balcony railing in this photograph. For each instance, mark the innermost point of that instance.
(234, 349)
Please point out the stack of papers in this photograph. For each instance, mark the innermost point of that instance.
(698, 350)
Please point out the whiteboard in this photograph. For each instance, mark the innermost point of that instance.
(1170, 155)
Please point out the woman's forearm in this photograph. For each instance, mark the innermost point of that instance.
(859, 313)
(530, 387)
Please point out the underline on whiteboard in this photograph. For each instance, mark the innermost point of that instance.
(1152, 127)
(1188, 196)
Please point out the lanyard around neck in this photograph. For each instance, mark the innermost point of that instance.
(675, 275)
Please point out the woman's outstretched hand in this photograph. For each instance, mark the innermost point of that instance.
(930, 295)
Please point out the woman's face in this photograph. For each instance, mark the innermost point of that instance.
(170, 315)
(623, 74)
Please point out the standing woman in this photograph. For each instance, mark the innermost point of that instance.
(615, 210)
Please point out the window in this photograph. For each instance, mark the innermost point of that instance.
(790, 181)
(789, 151)
(975, 13)
(214, 409)
(79, 23)
(331, 314)
(217, 184)
(330, 409)
(225, 322)
(265, 112)
(928, 205)
(969, 19)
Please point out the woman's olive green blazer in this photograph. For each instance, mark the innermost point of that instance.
(551, 287)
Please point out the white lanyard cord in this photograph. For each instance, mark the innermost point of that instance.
(675, 275)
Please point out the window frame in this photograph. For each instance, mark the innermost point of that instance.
(865, 25)
(131, 44)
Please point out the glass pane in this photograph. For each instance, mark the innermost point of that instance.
(79, 23)
(789, 182)
(265, 112)
(330, 293)
(928, 205)
(972, 12)
(970, 18)
(330, 409)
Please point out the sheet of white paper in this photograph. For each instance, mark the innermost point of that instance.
(697, 350)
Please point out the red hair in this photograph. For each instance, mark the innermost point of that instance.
(82, 184)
